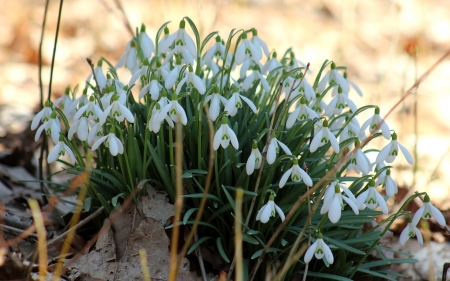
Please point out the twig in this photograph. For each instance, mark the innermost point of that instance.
(124, 17)
(200, 259)
(15, 230)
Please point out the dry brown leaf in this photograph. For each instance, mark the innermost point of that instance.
(157, 205)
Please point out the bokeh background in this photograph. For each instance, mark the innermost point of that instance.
(386, 46)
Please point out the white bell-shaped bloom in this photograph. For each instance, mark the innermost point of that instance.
(323, 137)
(59, 150)
(64, 102)
(359, 162)
(258, 43)
(175, 110)
(248, 65)
(235, 102)
(91, 110)
(51, 127)
(333, 76)
(43, 115)
(339, 103)
(333, 204)
(99, 75)
(303, 112)
(254, 76)
(388, 183)
(147, 45)
(155, 122)
(427, 211)
(371, 198)
(111, 141)
(129, 59)
(153, 88)
(77, 103)
(296, 174)
(181, 44)
(81, 127)
(351, 130)
(117, 110)
(217, 51)
(141, 72)
(271, 64)
(224, 135)
(302, 88)
(390, 152)
(246, 50)
(375, 123)
(273, 150)
(163, 40)
(254, 160)
(320, 250)
(172, 78)
(216, 99)
(95, 133)
(192, 81)
(268, 210)
(410, 230)
(349, 83)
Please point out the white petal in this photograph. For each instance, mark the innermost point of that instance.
(250, 167)
(271, 152)
(71, 155)
(404, 236)
(54, 153)
(249, 103)
(418, 235)
(284, 147)
(361, 199)
(37, 120)
(333, 141)
(181, 114)
(334, 214)
(199, 84)
(316, 141)
(285, 177)
(348, 192)
(266, 213)
(310, 252)
(113, 147)
(98, 142)
(382, 203)
(305, 177)
(218, 138)
(292, 118)
(280, 212)
(126, 113)
(234, 140)
(384, 153)
(417, 216)
(352, 204)
(438, 215)
(385, 130)
(328, 253)
(407, 155)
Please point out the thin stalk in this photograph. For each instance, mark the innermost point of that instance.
(54, 49)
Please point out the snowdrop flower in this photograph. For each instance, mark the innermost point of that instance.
(79, 102)
(43, 115)
(59, 150)
(296, 174)
(65, 101)
(271, 64)
(303, 88)
(91, 110)
(349, 83)
(303, 112)
(371, 198)
(427, 211)
(175, 110)
(153, 88)
(248, 65)
(320, 250)
(217, 51)
(52, 127)
(129, 58)
(359, 161)
(171, 79)
(117, 110)
(318, 106)
(99, 76)
(141, 72)
(95, 133)
(410, 230)
(183, 45)
(323, 137)
(235, 102)
(390, 152)
(273, 149)
(332, 76)
(268, 211)
(81, 127)
(224, 135)
(375, 123)
(154, 124)
(216, 99)
(333, 204)
(164, 39)
(147, 45)
(388, 183)
(254, 160)
(246, 50)
(192, 81)
(111, 141)
(254, 76)
(351, 130)
(338, 103)
(258, 43)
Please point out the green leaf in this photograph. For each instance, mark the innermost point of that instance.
(115, 199)
(87, 203)
(200, 195)
(249, 239)
(259, 252)
(324, 276)
(344, 247)
(198, 243)
(390, 261)
(220, 248)
(377, 274)
(188, 214)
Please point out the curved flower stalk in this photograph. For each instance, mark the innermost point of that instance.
(117, 110)
(332, 76)
(192, 81)
(323, 137)
(388, 183)
(154, 124)
(216, 99)
(375, 123)
(296, 174)
(273, 150)
(268, 210)
(371, 198)
(410, 230)
(235, 102)
(182, 44)
(339, 103)
(175, 110)
(246, 50)
(320, 250)
(427, 211)
(51, 127)
(254, 160)
(147, 45)
(390, 152)
(111, 141)
(43, 115)
(303, 112)
(333, 204)
(59, 150)
(153, 88)
(224, 135)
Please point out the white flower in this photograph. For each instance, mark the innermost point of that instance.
(216, 99)
(375, 123)
(271, 64)
(163, 40)
(140, 72)
(51, 126)
(318, 106)
(332, 76)
(183, 44)
(117, 110)
(333, 204)
(351, 130)
(235, 102)
(254, 160)
(246, 50)
(389, 184)
(65, 101)
(192, 80)
(154, 124)
(296, 174)
(303, 88)
(80, 102)
(349, 83)
(224, 135)
(81, 127)
(59, 150)
(171, 79)
(43, 115)
(175, 111)
(258, 43)
(91, 110)
(410, 230)
(371, 198)
(323, 137)
(99, 76)
(254, 76)
(147, 45)
(427, 211)
(303, 112)
(153, 88)
(320, 250)
(217, 51)
(338, 103)
(111, 141)
(129, 58)
(268, 211)
(359, 161)
(95, 133)
(273, 149)
(390, 152)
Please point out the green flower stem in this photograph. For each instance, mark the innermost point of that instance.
(147, 137)
(127, 163)
(172, 159)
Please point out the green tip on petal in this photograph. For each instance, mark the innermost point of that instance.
(274, 55)
(216, 89)
(182, 24)
(388, 172)
(174, 96)
(133, 44)
(319, 235)
(409, 219)
(224, 120)
(426, 199)
(394, 136)
(254, 144)
(91, 98)
(143, 28)
(100, 63)
(191, 69)
(218, 39)
(166, 31)
(146, 62)
(345, 75)
(302, 100)
(67, 91)
(254, 32)
(371, 182)
(115, 97)
(271, 197)
(377, 110)
(53, 115)
(339, 90)
(295, 161)
(357, 142)
(108, 76)
(325, 123)
(337, 188)
(48, 103)
(61, 137)
(244, 35)
(158, 64)
(158, 106)
(333, 65)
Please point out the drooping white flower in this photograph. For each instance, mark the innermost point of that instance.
(147, 45)
(320, 250)
(153, 88)
(375, 123)
(390, 152)
(171, 79)
(117, 110)
(235, 102)
(359, 161)
(91, 110)
(81, 127)
(175, 110)
(302, 88)
(371, 198)
(216, 99)
(154, 124)
(141, 72)
(95, 133)
(182, 44)
(254, 76)
(296, 174)
(333, 204)
(351, 130)
(111, 141)
(303, 112)
(77, 103)
(318, 106)
(273, 149)
(333, 76)
(268, 210)
(258, 43)
(271, 64)
(51, 127)
(388, 183)
(163, 40)
(129, 58)
(59, 150)
(224, 135)
(248, 65)
(427, 211)
(254, 160)
(338, 103)
(349, 83)
(410, 230)
(43, 115)
(99, 76)
(246, 50)
(323, 137)
(192, 81)
(217, 51)
(65, 101)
